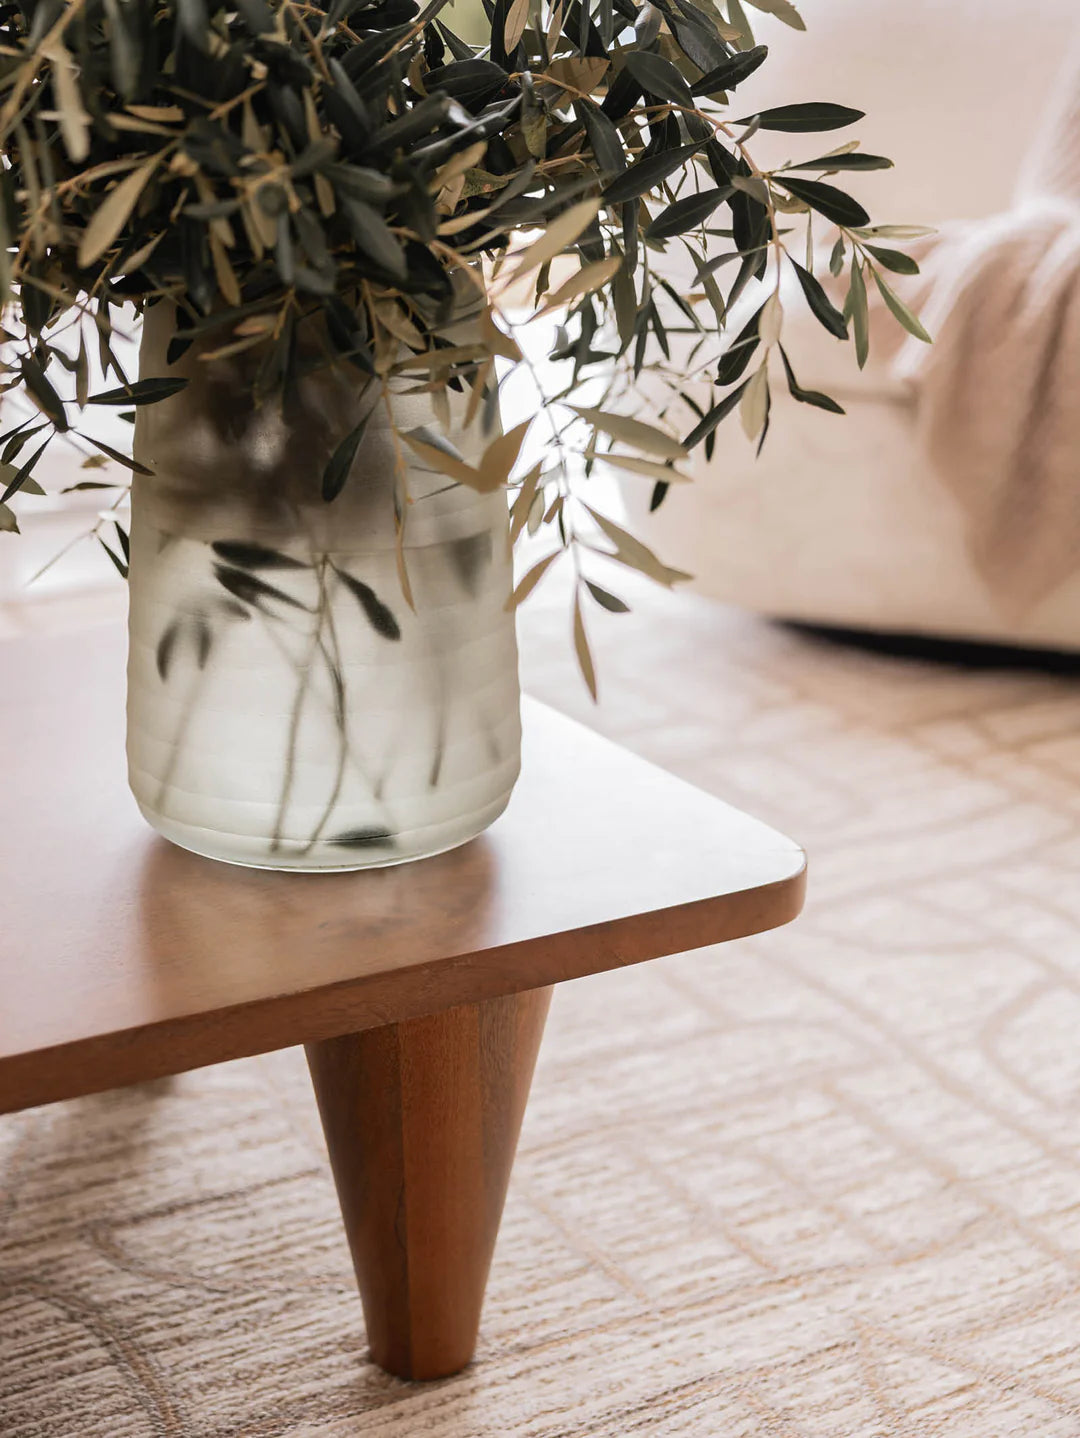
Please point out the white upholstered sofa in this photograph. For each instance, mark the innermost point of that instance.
(844, 521)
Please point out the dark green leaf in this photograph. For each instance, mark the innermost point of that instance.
(257, 15)
(124, 459)
(603, 137)
(250, 588)
(658, 77)
(379, 616)
(686, 214)
(254, 556)
(819, 302)
(807, 396)
(341, 461)
(856, 307)
(471, 556)
(695, 33)
(853, 160)
(165, 646)
(900, 311)
(827, 200)
(732, 72)
(369, 838)
(894, 260)
(17, 438)
(204, 638)
(143, 391)
(607, 601)
(375, 237)
(121, 567)
(46, 398)
(715, 416)
(645, 174)
(659, 494)
(811, 116)
(737, 356)
(23, 473)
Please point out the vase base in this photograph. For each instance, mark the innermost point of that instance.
(325, 858)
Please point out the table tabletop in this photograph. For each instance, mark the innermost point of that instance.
(123, 958)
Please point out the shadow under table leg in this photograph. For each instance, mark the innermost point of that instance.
(422, 1119)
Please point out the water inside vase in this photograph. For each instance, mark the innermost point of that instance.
(288, 707)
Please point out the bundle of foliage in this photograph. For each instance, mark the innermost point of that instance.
(260, 161)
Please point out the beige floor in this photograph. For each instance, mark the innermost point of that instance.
(820, 1184)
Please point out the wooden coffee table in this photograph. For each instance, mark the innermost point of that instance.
(420, 992)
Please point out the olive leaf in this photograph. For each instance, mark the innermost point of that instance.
(732, 72)
(632, 431)
(754, 405)
(136, 466)
(910, 321)
(633, 464)
(783, 10)
(254, 556)
(607, 144)
(119, 564)
(42, 392)
(686, 214)
(113, 213)
(853, 160)
(442, 455)
(471, 556)
(372, 837)
(658, 77)
(633, 553)
(251, 589)
(379, 616)
(341, 461)
(645, 174)
(166, 644)
(375, 237)
(16, 439)
(607, 600)
(531, 579)
(558, 236)
(716, 416)
(819, 302)
(740, 352)
(807, 396)
(894, 260)
(801, 119)
(858, 311)
(827, 200)
(581, 648)
(587, 281)
(22, 474)
(143, 391)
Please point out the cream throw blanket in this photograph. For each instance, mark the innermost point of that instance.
(999, 391)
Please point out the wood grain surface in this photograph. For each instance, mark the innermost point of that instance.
(123, 958)
(422, 1120)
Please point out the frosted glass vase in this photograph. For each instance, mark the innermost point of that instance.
(287, 707)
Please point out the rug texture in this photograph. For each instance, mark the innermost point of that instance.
(824, 1183)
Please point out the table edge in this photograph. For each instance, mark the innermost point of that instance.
(177, 1045)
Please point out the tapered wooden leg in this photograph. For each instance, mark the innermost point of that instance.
(422, 1119)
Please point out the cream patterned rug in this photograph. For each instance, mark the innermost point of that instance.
(820, 1184)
